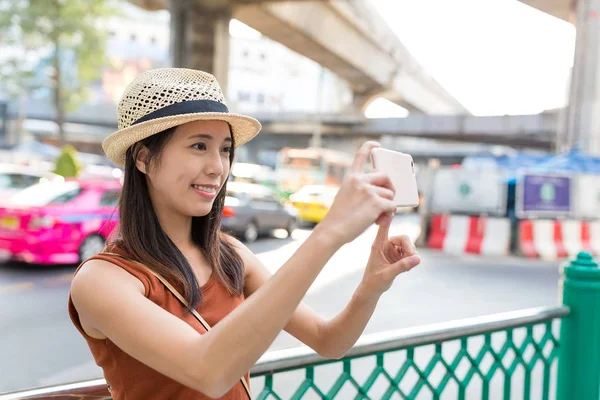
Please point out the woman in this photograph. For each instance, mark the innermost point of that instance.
(176, 142)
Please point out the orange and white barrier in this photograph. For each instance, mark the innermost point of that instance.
(461, 234)
(554, 239)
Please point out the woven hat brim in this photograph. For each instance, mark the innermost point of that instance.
(115, 146)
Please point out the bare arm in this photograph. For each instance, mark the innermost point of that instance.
(329, 338)
(390, 256)
(111, 301)
(341, 333)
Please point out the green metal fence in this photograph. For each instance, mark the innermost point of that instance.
(509, 355)
(464, 359)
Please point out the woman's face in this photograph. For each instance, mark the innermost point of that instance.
(191, 169)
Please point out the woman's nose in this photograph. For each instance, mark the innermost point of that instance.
(214, 164)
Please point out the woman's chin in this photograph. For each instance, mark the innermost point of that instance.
(200, 212)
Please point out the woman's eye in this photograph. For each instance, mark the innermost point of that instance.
(199, 146)
(227, 149)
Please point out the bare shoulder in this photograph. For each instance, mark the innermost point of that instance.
(97, 290)
(247, 256)
(97, 275)
(255, 273)
(253, 267)
(111, 305)
(236, 244)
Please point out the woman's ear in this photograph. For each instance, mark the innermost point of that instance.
(141, 159)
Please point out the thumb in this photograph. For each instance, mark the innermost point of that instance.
(406, 264)
(384, 220)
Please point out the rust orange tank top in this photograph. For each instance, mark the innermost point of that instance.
(130, 379)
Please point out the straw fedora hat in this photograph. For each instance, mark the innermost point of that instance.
(162, 98)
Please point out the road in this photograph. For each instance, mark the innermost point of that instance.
(40, 346)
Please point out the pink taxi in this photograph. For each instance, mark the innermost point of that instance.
(58, 222)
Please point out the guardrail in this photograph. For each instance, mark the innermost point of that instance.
(469, 358)
(428, 361)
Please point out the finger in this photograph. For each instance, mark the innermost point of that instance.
(387, 194)
(362, 155)
(383, 192)
(379, 179)
(384, 221)
(382, 217)
(404, 265)
(386, 206)
(405, 244)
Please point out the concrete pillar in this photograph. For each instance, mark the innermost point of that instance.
(361, 100)
(4, 137)
(200, 37)
(581, 127)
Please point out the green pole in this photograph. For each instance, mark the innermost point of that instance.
(579, 356)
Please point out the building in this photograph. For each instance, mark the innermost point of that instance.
(265, 76)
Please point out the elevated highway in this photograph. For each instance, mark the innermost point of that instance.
(348, 37)
(563, 9)
(90, 125)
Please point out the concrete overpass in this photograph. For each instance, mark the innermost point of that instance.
(91, 124)
(348, 37)
(519, 131)
(563, 9)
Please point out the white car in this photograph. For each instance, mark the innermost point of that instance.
(14, 178)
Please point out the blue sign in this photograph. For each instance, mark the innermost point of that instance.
(546, 194)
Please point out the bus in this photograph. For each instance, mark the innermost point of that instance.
(296, 168)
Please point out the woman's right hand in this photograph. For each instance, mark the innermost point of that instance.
(363, 199)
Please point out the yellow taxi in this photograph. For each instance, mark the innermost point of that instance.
(312, 202)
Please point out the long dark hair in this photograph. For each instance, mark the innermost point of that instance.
(142, 236)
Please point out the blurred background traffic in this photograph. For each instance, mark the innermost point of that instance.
(500, 123)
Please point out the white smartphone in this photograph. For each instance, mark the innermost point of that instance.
(401, 170)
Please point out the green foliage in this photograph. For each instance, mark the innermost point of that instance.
(67, 35)
(67, 164)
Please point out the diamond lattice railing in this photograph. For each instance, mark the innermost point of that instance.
(498, 364)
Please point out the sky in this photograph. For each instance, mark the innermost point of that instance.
(496, 57)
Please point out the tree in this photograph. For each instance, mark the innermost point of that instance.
(16, 81)
(17, 78)
(69, 34)
(67, 164)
